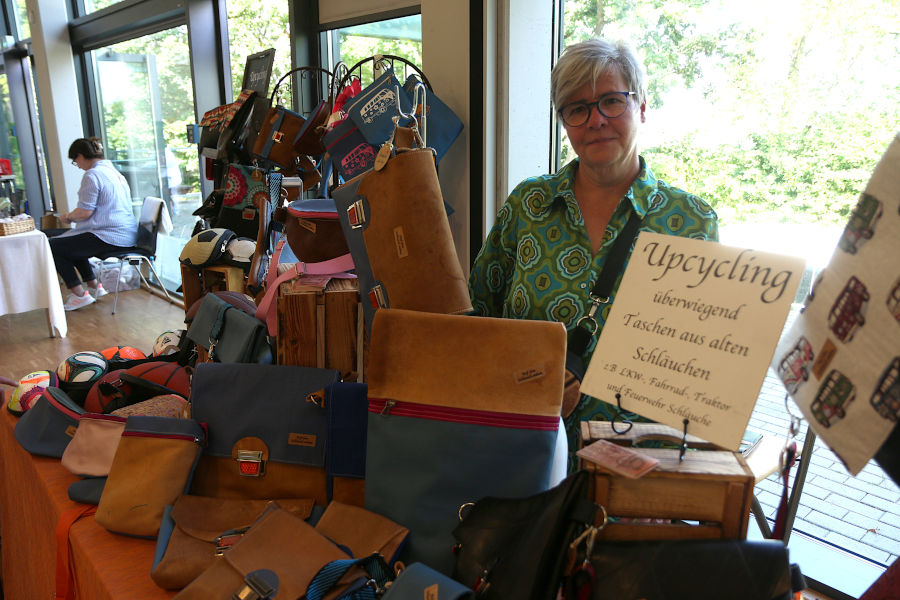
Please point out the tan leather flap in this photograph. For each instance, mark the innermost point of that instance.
(207, 518)
(480, 363)
(289, 546)
(361, 530)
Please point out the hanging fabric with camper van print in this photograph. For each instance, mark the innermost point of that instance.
(841, 359)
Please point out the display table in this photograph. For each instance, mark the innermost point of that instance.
(33, 494)
(28, 279)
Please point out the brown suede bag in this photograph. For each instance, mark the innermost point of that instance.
(362, 531)
(204, 529)
(278, 541)
(275, 142)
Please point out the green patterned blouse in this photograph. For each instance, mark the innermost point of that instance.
(536, 262)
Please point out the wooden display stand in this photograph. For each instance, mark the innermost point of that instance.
(196, 281)
(321, 325)
(705, 496)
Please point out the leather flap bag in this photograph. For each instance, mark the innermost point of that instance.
(203, 529)
(313, 230)
(49, 425)
(229, 334)
(360, 532)
(449, 423)
(515, 547)
(275, 143)
(278, 541)
(270, 449)
(153, 465)
(398, 233)
(91, 451)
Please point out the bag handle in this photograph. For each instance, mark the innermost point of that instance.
(587, 326)
(376, 568)
(266, 312)
(216, 331)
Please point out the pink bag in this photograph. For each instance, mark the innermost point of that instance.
(91, 451)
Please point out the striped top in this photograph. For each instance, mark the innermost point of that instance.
(105, 192)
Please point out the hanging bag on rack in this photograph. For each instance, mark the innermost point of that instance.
(442, 124)
(399, 235)
(351, 153)
(238, 211)
(274, 144)
(374, 108)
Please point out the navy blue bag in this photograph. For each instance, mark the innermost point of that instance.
(442, 126)
(373, 109)
(48, 427)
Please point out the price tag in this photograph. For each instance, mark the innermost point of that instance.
(618, 459)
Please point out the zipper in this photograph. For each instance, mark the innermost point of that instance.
(99, 417)
(63, 408)
(164, 436)
(488, 418)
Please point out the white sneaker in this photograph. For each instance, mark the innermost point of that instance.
(74, 302)
(98, 292)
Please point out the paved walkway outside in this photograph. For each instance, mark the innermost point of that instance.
(858, 514)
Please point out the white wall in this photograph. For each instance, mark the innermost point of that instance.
(60, 110)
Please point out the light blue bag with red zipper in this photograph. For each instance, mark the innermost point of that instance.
(460, 408)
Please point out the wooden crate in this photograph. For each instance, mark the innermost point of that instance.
(196, 281)
(321, 325)
(706, 496)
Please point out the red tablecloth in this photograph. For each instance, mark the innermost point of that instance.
(33, 494)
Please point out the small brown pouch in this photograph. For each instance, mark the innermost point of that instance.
(204, 529)
(278, 541)
(362, 531)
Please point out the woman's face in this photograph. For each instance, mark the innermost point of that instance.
(602, 143)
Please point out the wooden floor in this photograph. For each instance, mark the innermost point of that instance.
(140, 317)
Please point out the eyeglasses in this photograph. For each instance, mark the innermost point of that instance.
(74, 163)
(609, 105)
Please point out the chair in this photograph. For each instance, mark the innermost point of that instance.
(144, 249)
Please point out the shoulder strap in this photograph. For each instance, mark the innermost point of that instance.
(580, 337)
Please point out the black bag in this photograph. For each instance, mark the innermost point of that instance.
(695, 569)
(515, 547)
(229, 334)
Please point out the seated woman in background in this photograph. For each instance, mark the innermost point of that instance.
(554, 233)
(104, 222)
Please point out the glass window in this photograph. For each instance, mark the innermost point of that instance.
(95, 5)
(399, 37)
(9, 144)
(146, 100)
(254, 26)
(22, 20)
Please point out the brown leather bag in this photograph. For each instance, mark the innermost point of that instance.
(275, 142)
(203, 529)
(278, 541)
(362, 531)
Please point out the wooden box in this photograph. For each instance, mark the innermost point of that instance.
(196, 281)
(706, 496)
(320, 324)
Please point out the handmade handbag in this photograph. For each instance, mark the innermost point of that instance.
(442, 126)
(695, 569)
(91, 451)
(309, 139)
(273, 447)
(153, 464)
(229, 147)
(516, 547)
(418, 581)
(449, 423)
(229, 334)
(398, 233)
(351, 153)
(280, 542)
(197, 530)
(360, 532)
(375, 107)
(49, 425)
(238, 211)
(275, 143)
(314, 231)
(205, 247)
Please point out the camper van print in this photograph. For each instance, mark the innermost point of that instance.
(893, 301)
(379, 104)
(835, 393)
(847, 314)
(358, 160)
(886, 398)
(861, 226)
(794, 367)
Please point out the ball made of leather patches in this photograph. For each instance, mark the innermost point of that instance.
(82, 367)
(167, 342)
(122, 353)
(29, 390)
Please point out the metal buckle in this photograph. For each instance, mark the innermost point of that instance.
(356, 215)
(228, 539)
(376, 297)
(251, 463)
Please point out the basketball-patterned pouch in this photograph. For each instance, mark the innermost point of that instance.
(29, 390)
(48, 426)
(91, 451)
(125, 387)
(206, 248)
(153, 465)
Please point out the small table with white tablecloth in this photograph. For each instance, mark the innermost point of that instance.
(28, 279)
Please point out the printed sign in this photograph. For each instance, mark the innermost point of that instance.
(691, 334)
(841, 359)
